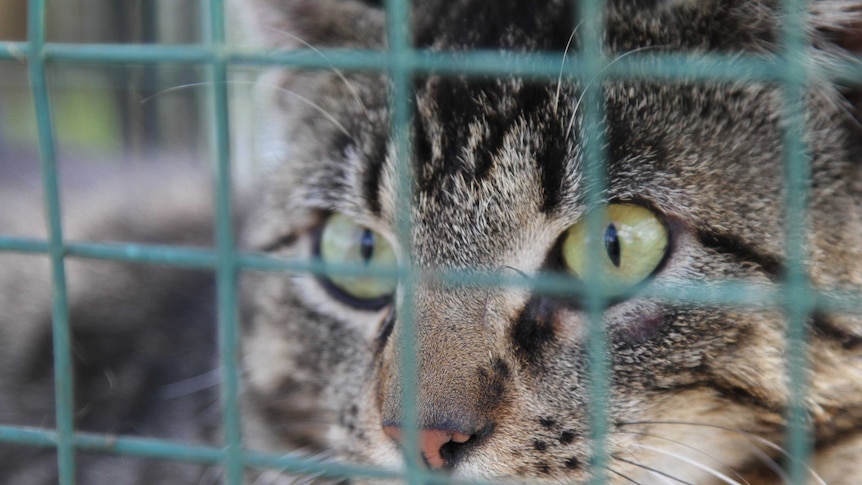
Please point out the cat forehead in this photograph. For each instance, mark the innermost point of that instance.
(519, 142)
(503, 137)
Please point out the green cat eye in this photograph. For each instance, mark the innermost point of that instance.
(634, 240)
(342, 241)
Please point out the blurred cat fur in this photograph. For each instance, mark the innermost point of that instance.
(697, 394)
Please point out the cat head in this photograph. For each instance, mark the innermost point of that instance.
(695, 192)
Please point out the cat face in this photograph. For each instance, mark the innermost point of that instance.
(695, 192)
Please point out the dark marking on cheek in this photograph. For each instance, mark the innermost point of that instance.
(543, 468)
(501, 369)
(645, 327)
(540, 445)
(496, 379)
(573, 463)
(547, 422)
(385, 331)
(534, 330)
(283, 241)
(566, 437)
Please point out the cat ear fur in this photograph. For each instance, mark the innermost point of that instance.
(288, 24)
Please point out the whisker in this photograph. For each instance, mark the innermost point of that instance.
(772, 465)
(593, 80)
(268, 477)
(663, 477)
(299, 97)
(652, 470)
(562, 66)
(717, 474)
(179, 87)
(685, 445)
(210, 475)
(624, 477)
(350, 87)
(765, 442)
(191, 385)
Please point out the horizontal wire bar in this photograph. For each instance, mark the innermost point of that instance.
(23, 245)
(140, 253)
(174, 451)
(539, 65)
(724, 293)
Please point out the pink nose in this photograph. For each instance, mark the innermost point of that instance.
(431, 441)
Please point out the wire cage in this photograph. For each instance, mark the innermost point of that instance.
(401, 62)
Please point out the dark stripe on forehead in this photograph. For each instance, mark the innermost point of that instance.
(511, 24)
(496, 107)
(552, 161)
(372, 176)
(456, 104)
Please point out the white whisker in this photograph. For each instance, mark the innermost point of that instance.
(664, 476)
(211, 474)
(752, 436)
(299, 97)
(563, 65)
(655, 473)
(593, 80)
(717, 474)
(191, 385)
(772, 465)
(350, 87)
(696, 450)
(624, 477)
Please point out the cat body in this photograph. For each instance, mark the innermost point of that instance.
(695, 392)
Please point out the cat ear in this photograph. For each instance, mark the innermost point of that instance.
(290, 24)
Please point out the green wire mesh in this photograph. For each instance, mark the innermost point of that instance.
(402, 62)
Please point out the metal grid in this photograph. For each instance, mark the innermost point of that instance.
(402, 62)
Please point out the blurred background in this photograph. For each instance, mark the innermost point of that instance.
(115, 120)
(110, 113)
(107, 112)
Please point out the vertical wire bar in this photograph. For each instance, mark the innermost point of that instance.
(227, 269)
(593, 143)
(797, 301)
(401, 76)
(61, 333)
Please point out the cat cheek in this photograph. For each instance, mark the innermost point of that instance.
(641, 329)
(366, 323)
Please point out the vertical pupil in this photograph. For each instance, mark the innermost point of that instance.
(366, 245)
(612, 244)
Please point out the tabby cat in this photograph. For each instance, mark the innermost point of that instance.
(695, 192)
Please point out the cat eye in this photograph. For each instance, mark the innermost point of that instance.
(340, 241)
(634, 240)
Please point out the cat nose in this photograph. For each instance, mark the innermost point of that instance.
(432, 443)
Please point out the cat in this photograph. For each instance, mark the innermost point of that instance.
(502, 385)
(695, 191)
